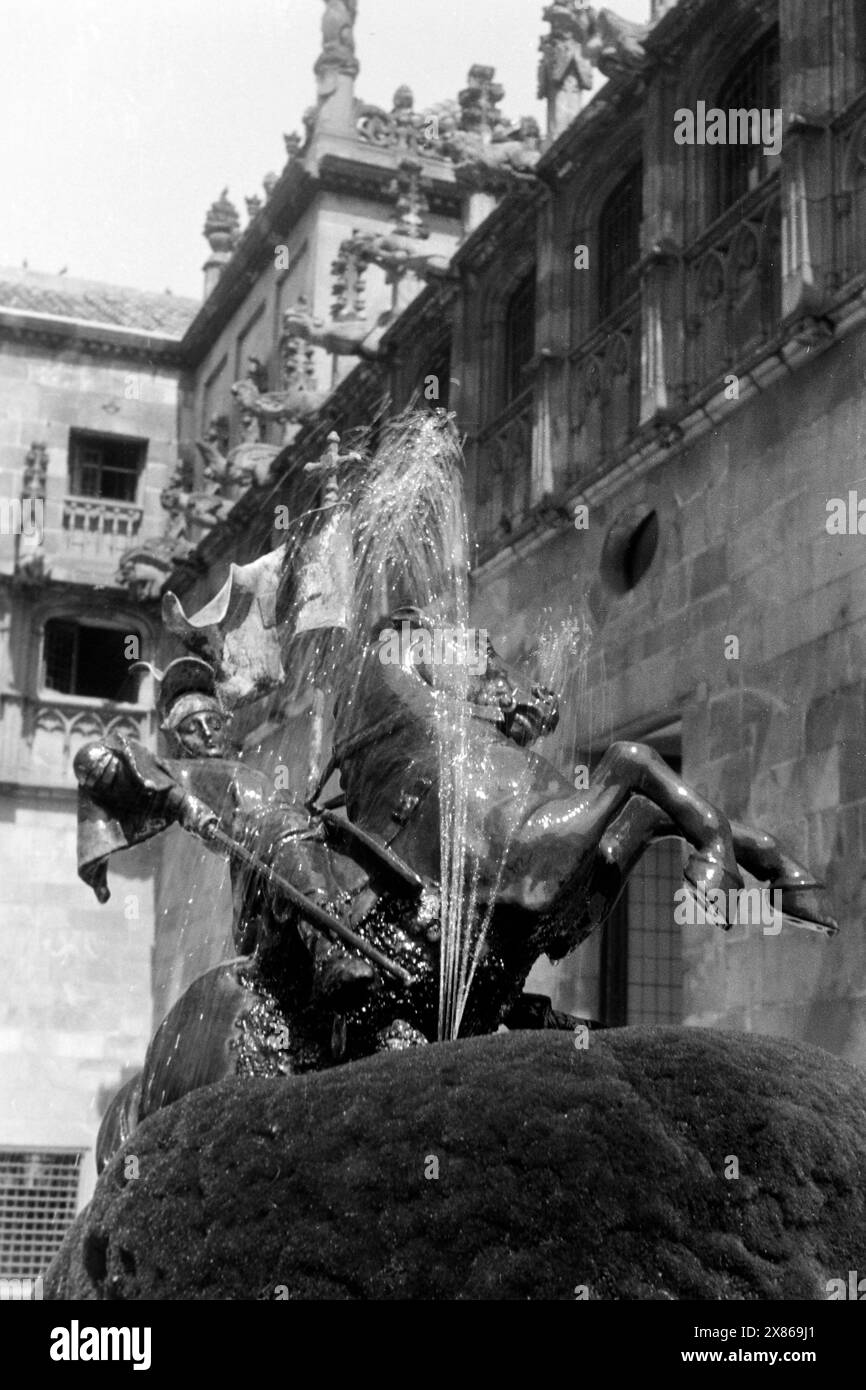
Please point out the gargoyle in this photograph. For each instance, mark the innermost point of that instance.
(343, 338)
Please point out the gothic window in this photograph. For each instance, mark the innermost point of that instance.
(105, 465)
(519, 336)
(619, 242)
(82, 659)
(752, 86)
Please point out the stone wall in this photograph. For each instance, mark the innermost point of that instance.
(775, 737)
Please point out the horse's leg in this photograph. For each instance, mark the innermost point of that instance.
(759, 853)
(553, 853)
(803, 898)
(712, 865)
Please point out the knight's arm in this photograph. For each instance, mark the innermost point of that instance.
(128, 778)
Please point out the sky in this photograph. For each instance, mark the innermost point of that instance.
(122, 120)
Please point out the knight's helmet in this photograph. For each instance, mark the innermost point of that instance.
(186, 686)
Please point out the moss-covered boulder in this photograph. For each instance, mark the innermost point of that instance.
(662, 1163)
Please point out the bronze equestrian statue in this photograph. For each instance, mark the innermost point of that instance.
(336, 911)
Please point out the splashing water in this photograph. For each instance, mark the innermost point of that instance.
(561, 663)
(411, 548)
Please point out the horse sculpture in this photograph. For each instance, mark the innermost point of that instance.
(550, 863)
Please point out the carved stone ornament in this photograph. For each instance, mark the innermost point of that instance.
(338, 38)
(222, 225)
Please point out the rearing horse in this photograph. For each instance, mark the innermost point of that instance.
(555, 859)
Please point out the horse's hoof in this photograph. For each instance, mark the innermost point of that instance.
(705, 876)
(807, 908)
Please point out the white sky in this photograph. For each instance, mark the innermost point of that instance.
(122, 120)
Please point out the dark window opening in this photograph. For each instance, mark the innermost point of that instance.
(619, 242)
(103, 465)
(519, 336)
(640, 550)
(83, 660)
(436, 386)
(754, 86)
(629, 550)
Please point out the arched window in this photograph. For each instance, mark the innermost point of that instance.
(753, 88)
(519, 336)
(619, 242)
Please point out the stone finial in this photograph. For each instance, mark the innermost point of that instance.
(222, 223)
(269, 183)
(582, 37)
(254, 206)
(479, 101)
(338, 38)
(565, 70)
(222, 229)
(35, 471)
(293, 144)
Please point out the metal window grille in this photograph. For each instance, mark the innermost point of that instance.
(753, 87)
(655, 957)
(619, 242)
(519, 335)
(38, 1196)
(104, 466)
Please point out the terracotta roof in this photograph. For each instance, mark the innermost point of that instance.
(60, 296)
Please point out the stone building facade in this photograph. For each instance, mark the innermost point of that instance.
(655, 351)
(89, 382)
(649, 345)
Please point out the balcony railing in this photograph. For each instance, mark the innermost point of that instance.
(733, 286)
(504, 471)
(605, 389)
(100, 526)
(39, 736)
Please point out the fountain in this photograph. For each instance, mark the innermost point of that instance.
(411, 912)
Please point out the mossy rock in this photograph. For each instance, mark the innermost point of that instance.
(560, 1170)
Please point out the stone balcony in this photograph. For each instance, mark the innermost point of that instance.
(604, 388)
(733, 286)
(97, 527)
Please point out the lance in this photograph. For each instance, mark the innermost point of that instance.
(317, 916)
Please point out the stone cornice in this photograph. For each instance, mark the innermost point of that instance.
(426, 312)
(592, 122)
(291, 196)
(676, 30)
(657, 441)
(95, 339)
(503, 223)
(358, 173)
